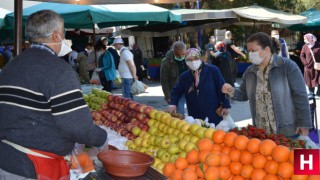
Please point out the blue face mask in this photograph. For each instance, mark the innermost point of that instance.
(179, 59)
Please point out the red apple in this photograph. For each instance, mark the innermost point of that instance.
(132, 105)
(140, 116)
(98, 116)
(131, 136)
(140, 108)
(145, 128)
(113, 118)
(104, 105)
(145, 120)
(140, 125)
(126, 101)
(98, 123)
(148, 109)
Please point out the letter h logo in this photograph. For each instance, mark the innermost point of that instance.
(306, 161)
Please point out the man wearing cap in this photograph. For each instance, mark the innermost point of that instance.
(127, 69)
(201, 85)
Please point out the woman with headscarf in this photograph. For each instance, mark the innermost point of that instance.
(309, 54)
(201, 84)
(224, 60)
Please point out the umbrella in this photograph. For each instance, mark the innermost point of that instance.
(313, 22)
(84, 16)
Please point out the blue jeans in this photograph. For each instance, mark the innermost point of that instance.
(181, 103)
(126, 87)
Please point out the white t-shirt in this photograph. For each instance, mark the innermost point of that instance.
(125, 55)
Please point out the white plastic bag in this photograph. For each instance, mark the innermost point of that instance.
(226, 124)
(137, 87)
(309, 143)
(117, 81)
(95, 79)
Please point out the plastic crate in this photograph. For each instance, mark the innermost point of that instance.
(87, 88)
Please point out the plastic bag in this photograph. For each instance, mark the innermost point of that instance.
(210, 125)
(309, 143)
(95, 79)
(81, 163)
(226, 124)
(117, 81)
(137, 87)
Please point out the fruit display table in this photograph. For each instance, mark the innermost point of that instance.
(242, 66)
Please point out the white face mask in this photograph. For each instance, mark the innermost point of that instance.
(65, 48)
(255, 58)
(194, 65)
(89, 51)
(276, 36)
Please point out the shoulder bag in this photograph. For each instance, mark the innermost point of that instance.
(316, 64)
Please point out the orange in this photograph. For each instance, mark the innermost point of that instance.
(225, 150)
(266, 146)
(229, 138)
(299, 177)
(271, 177)
(192, 167)
(218, 136)
(188, 174)
(285, 170)
(216, 148)
(83, 160)
(246, 171)
(253, 145)
(246, 157)
(237, 178)
(200, 170)
(203, 155)
(240, 142)
(192, 157)
(212, 173)
(271, 167)
(259, 161)
(168, 169)
(235, 168)
(234, 155)
(258, 174)
(224, 172)
(281, 153)
(213, 160)
(176, 174)
(181, 163)
(225, 160)
(291, 158)
(205, 144)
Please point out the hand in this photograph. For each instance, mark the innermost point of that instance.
(104, 147)
(225, 111)
(172, 108)
(302, 131)
(227, 89)
(135, 77)
(244, 56)
(97, 69)
(168, 100)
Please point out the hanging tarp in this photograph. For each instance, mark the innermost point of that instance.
(116, 1)
(313, 22)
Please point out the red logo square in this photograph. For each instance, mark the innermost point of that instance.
(306, 161)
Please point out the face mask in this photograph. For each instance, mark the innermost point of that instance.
(194, 65)
(65, 48)
(179, 59)
(89, 51)
(276, 36)
(255, 58)
(306, 41)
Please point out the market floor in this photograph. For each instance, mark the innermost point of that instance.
(240, 111)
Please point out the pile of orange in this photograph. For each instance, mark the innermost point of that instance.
(82, 161)
(232, 156)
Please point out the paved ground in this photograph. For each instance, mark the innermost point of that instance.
(153, 96)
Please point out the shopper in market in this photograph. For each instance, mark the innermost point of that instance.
(138, 60)
(284, 52)
(275, 89)
(42, 112)
(310, 54)
(127, 69)
(224, 59)
(201, 84)
(211, 51)
(172, 66)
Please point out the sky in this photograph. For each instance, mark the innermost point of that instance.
(9, 4)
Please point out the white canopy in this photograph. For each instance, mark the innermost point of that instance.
(202, 14)
(265, 14)
(3, 12)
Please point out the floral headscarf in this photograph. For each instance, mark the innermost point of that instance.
(220, 46)
(193, 52)
(310, 40)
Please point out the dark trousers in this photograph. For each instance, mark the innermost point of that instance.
(90, 74)
(107, 85)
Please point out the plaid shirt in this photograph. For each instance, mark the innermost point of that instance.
(42, 46)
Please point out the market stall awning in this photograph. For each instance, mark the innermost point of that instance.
(203, 14)
(259, 13)
(116, 1)
(84, 16)
(313, 22)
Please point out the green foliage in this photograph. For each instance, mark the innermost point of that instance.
(154, 61)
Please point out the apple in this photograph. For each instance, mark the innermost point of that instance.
(142, 149)
(182, 143)
(189, 146)
(158, 115)
(145, 143)
(98, 116)
(140, 125)
(138, 141)
(180, 124)
(200, 132)
(167, 120)
(183, 154)
(110, 97)
(145, 120)
(173, 139)
(176, 132)
(170, 130)
(174, 122)
(194, 128)
(164, 143)
(132, 105)
(160, 166)
(165, 157)
(194, 139)
(164, 129)
(185, 128)
(98, 123)
(208, 133)
(161, 126)
(113, 118)
(132, 136)
(156, 124)
(142, 133)
(157, 141)
(140, 116)
(132, 147)
(128, 142)
(123, 132)
(152, 140)
(136, 131)
(153, 130)
(173, 158)
(148, 109)
(156, 162)
(181, 135)
(187, 137)
(153, 113)
(151, 122)
(160, 152)
(173, 149)
(126, 101)
(163, 117)
(146, 135)
(140, 108)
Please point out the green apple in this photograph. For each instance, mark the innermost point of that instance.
(128, 143)
(185, 128)
(182, 144)
(165, 157)
(189, 146)
(167, 121)
(208, 133)
(136, 131)
(200, 132)
(145, 143)
(160, 152)
(173, 149)
(161, 126)
(150, 153)
(165, 143)
(157, 115)
(142, 133)
(176, 132)
(156, 124)
(187, 137)
(156, 162)
(181, 123)
(163, 117)
(153, 113)
(174, 122)
(157, 141)
(170, 130)
(160, 134)
(132, 147)
(194, 128)
(173, 158)
(146, 136)
(164, 129)
(194, 139)
(142, 149)
(138, 141)
(151, 122)
(173, 139)
(152, 140)
(183, 154)
(181, 135)
(159, 167)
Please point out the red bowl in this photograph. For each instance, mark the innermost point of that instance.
(125, 163)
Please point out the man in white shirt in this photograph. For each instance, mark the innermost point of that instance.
(126, 68)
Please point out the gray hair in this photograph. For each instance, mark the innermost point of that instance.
(179, 45)
(41, 24)
(228, 34)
